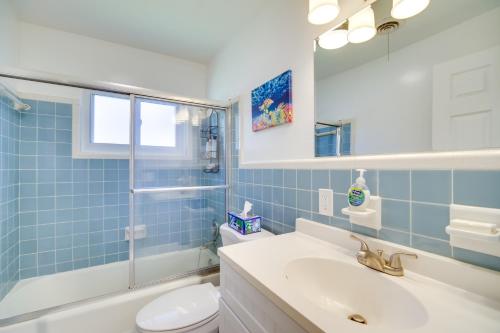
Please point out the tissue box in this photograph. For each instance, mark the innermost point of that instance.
(244, 225)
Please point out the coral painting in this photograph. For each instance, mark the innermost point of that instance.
(272, 102)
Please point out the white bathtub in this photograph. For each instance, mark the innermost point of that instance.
(107, 314)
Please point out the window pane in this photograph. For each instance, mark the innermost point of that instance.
(111, 120)
(157, 125)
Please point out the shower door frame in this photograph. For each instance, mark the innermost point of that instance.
(133, 190)
(132, 92)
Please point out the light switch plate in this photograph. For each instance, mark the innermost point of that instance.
(325, 202)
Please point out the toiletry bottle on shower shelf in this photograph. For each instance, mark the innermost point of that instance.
(358, 196)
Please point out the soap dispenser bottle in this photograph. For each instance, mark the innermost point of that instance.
(358, 195)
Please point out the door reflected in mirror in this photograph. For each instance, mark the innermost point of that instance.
(427, 83)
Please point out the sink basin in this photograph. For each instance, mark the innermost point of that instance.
(350, 289)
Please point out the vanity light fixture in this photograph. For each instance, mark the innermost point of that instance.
(333, 39)
(322, 11)
(362, 26)
(403, 9)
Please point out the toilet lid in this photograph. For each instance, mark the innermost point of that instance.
(227, 230)
(179, 308)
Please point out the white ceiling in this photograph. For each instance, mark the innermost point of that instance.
(190, 29)
(439, 16)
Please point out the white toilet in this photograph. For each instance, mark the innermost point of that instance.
(192, 309)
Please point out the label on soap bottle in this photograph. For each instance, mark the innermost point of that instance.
(356, 196)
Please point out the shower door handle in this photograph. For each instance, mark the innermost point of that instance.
(177, 189)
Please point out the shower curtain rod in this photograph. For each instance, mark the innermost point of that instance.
(18, 104)
(140, 92)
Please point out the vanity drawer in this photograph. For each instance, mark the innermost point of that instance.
(228, 322)
(257, 313)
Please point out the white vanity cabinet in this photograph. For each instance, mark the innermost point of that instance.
(244, 309)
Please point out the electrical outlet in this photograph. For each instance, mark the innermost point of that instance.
(325, 201)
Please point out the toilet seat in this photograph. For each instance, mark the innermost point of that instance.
(180, 310)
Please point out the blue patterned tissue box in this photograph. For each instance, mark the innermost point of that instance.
(244, 225)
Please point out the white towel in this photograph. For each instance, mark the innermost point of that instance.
(480, 227)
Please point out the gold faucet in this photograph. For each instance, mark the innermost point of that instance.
(376, 260)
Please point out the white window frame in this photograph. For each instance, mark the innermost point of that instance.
(82, 146)
(183, 135)
(82, 125)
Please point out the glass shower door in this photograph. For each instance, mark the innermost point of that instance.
(178, 187)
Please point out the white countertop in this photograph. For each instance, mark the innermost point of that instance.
(448, 308)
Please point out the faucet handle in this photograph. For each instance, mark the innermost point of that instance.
(364, 246)
(395, 259)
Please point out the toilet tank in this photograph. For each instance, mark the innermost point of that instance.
(230, 236)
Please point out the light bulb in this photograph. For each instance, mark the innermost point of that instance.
(333, 39)
(403, 9)
(362, 26)
(322, 11)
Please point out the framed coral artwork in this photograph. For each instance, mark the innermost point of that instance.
(272, 102)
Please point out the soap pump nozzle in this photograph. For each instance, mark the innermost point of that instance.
(361, 178)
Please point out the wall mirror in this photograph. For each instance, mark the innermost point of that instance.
(427, 83)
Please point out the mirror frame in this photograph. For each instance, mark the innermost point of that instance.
(461, 160)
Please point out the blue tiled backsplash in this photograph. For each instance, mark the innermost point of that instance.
(60, 213)
(9, 217)
(70, 210)
(415, 204)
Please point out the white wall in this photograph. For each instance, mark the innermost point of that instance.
(391, 103)
(8, 35)
(280, 38)
(57, 52)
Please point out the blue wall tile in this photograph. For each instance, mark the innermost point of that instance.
(278, 177)
(304, 200)
(363, 230)
(290, 215)
(267, 176)
(340, 223)
(290, 178)
(45, 108)
(257, 176)
(290, 197)
(431, 186)
(304, 179)
(320, 218)
(320, 179)
(28, 261)
(394, 184)
(477, 188)
(278, 195)
(63, 110)
(394, 236)
(430, 220)
(431, 245)
(476, 258)
(339, 202)
(340, 180)
(396, 214)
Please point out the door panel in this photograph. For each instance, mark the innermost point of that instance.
(466, 107)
